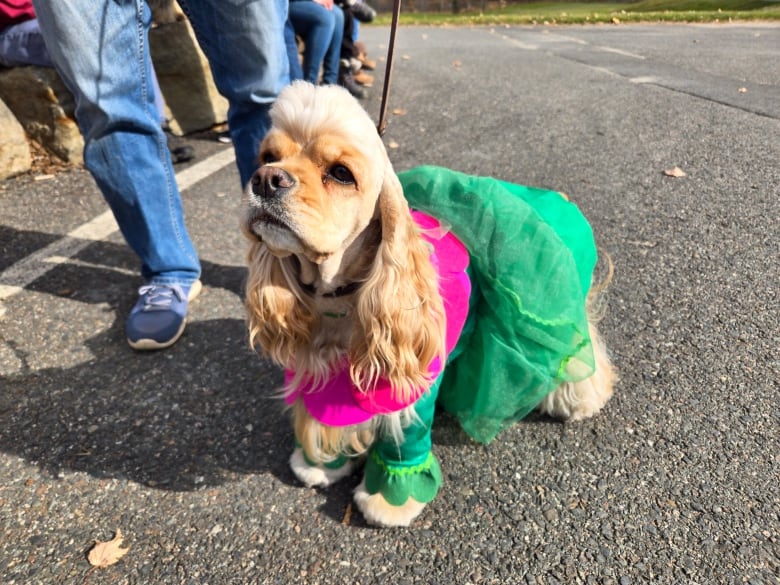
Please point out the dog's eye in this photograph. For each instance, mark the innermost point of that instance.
(267, 158)
(341, 174)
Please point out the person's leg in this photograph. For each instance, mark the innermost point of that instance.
(180, 152)
(347, 45)
(244, 43)
(296, 72)
(159, 102)
(101, 51)
(362, 12)
(315, 24)
(330, 64)
(22, 44)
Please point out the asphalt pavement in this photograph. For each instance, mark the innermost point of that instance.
(185, 451)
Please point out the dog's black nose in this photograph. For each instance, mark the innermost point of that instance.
(269, 182)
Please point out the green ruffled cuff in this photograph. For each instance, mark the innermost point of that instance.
(398, 483)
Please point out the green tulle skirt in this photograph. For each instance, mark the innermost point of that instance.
(532, 258)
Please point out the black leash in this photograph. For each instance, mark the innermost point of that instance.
(388, 68)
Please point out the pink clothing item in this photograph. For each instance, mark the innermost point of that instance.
(14, 12)
(338, 402)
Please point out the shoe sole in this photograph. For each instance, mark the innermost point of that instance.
(151, 344)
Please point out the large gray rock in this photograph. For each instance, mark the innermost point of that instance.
(15, 156)
(185, 79)
(44, 107)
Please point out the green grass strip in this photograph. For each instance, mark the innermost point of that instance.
(599, 12)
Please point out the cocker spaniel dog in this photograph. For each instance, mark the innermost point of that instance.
(383, 295)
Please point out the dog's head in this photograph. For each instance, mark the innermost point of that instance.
(323, 170)
(325, 210)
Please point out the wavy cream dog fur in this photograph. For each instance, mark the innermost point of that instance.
(338, 271)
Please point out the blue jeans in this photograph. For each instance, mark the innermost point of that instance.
(322, 31)
(22, 44)
(296, 73)
(101, 50)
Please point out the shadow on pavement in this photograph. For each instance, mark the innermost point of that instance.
(178, 419)
(174, 420)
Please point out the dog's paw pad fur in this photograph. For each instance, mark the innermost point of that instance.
(379, 512)
(317, 475)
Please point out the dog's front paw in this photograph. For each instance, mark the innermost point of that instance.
(378, 511)
(318, 475)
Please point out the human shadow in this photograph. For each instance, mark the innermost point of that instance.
(17, 244)
(197, 414)
(192, 415)
(107, 272)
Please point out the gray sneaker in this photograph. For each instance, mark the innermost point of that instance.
(157, 320)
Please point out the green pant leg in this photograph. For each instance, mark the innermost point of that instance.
(409, 469)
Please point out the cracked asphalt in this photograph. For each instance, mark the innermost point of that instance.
(185, 450)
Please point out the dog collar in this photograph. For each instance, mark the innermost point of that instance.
(341, 291)
(334, 315)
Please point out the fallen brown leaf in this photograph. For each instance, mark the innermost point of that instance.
(347, 514)
(676, 172)
(457, 64)
(393, 144)
(105, 554)
(399, 112)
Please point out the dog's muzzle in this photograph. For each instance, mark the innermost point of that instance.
(267, 216)
(270, 183)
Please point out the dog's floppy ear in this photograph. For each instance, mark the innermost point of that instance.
(399, 311)
(278, 321)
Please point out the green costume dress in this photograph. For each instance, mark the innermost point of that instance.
(531, 257)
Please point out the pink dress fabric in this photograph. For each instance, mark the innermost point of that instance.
(338, 402)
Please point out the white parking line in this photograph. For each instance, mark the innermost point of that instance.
(620, 52)
(16, 277)
(520, 44)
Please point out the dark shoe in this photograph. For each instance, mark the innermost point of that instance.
(346, 79)
(157, 320)
(180, 152)
(363, 12)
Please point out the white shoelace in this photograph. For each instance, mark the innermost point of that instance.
(160, 297)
